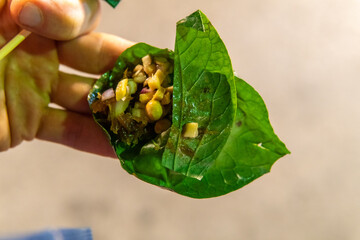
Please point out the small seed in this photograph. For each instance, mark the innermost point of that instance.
(154, 110)
(162, 125)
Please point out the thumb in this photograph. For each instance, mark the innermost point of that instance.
(59, 20)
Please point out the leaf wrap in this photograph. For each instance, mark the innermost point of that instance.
(236, 143)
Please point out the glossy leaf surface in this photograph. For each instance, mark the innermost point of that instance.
(236, 143)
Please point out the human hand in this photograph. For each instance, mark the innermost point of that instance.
(30, 78)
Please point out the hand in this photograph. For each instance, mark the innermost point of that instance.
(30, 78)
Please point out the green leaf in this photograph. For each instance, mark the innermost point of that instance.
(236, 143)
(128, 59)
(204, 92)
(250, 151)
(113, 3)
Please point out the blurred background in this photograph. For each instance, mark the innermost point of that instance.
(302, 56)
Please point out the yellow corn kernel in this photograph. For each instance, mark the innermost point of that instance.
(149, 67)
(154, 83)
(139, 78)
(154, 110)
(138, 68)
(170, 89)
(159, 94)
(162, 125)
(121, 89)
(145, 97)
(191, 130)
(132, 86)
(146, 60)
(160, 75)
(166, 99)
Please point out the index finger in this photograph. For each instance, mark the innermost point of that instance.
(92, 53)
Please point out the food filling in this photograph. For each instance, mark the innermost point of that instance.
(141, 104)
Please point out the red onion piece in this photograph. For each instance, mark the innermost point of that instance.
(145, 90)
(108, 94)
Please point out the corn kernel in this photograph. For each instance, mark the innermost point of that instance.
(170, 89)
(159, 95)
(138, 68)
(166, 99)
(146, 60)
(145, 97)
(154, 110)
(139, 77)
(160, 75)
(154, 83)
(121, 89)
(191, 130)
(149, 67)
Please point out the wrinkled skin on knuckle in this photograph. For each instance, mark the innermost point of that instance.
(70, 19)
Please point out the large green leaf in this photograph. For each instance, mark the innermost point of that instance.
(236, 143)
(249, 152)
(204, 92)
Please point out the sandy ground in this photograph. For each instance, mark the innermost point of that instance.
(302, 56)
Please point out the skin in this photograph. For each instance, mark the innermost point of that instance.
(30, 78)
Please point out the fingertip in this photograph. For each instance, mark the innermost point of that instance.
(59, 20)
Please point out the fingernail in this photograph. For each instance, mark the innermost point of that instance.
(30, 15)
